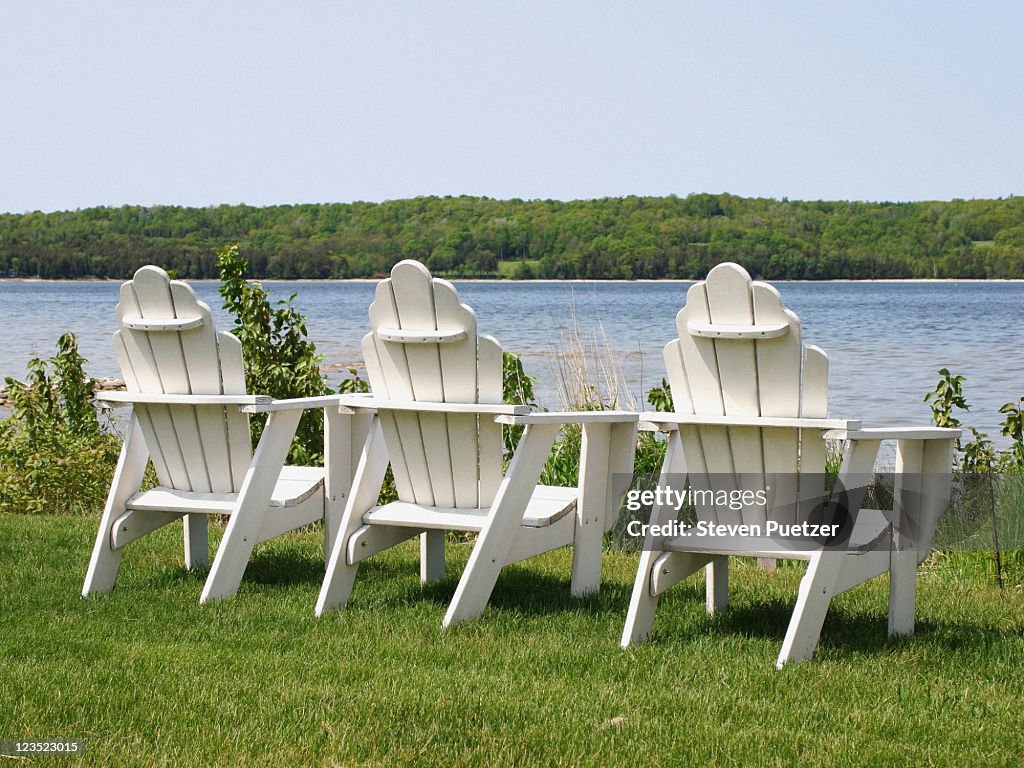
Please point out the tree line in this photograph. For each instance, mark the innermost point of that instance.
(609, 238)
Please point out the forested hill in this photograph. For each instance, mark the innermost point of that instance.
(631, 237)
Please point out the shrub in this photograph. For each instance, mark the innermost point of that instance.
(55, 455)
(280, 360)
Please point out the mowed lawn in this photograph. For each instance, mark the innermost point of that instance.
(147, 676)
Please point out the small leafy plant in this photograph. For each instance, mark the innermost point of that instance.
(280, 360)
(56, 457)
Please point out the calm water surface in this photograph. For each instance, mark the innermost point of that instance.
(885, 340)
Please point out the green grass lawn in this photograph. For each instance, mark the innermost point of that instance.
(147, 676)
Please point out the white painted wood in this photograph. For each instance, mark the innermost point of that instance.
(232, 374)
(819, 583)
(437, 387)
(131, 466)
(404, 336)
(530, 541)
(460, 375)
(371, 539)
(413, 290)
(344, 435)
(246, 520)
(371, 404)
(778, 379)
(431, 556)
(490, 438)
(716, 575)
(753, 408)
(749, 331)
(268, 405)
(157, 326)
(279, 520)
(857, 569)
(197, 541)
(159, 398)
(489, 554)
(293, 486)
(664, 420)
(378, 380)
(621, 456)
(591, 509)
(134, 524)
(903, 433)
(672, 567)
(643, 601)
(571, 417)
(153, 294)
(390, 375)
(186, 382)
(341, 573)
(902, 589)
(547, 505)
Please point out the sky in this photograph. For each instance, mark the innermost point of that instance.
(204, 103)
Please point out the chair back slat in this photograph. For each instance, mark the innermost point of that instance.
(195, 448)
(739, 353)
(415, 351)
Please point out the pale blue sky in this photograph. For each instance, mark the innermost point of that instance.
(201, 103)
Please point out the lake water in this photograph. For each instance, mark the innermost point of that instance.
(885, 340)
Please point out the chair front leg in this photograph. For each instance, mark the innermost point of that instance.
(369, 476)
(251, 506)
(131, 466)
(819, 583)
(643, 603)
(495, 539)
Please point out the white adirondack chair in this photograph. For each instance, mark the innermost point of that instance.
(190, 417)
(751, 407)
(438, 411)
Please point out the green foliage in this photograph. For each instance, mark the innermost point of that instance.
(516, 389)
(1013, 428)
(279, 360)
(661, 397)
(55, 457)
(975, 455)
(629, 237)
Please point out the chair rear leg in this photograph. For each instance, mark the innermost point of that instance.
(902, 589)
(431, 556)
(131, 466)
(197, 541)
(716, 587)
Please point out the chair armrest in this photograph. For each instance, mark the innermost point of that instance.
(667, 422)
(895, 433)
(356, 403)
(157, 398)
(290, 404)
(571, 417)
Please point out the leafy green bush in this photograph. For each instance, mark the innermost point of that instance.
(977, 454)
(55, 455)
(280, 360)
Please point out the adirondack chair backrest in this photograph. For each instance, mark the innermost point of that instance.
(423, 346)
(167, 343)
(739, 353)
